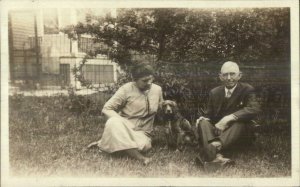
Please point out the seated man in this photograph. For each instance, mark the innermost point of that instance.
(230, 109)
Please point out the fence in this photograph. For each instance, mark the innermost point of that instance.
(188, 84)
(51, 62)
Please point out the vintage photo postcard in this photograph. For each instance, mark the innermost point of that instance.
(150, 93)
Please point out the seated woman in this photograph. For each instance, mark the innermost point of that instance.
(131, 111)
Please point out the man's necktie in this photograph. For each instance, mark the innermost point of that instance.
(228, 94)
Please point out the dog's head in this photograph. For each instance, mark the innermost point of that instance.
(168, 108)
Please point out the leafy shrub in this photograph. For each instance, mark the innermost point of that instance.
(198, 40)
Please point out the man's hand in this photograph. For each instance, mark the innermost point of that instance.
(200, 119)
(224, 122)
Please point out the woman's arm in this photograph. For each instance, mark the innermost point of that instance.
(110, 113)
(115, 103)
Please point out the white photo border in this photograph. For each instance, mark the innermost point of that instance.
(7, 180)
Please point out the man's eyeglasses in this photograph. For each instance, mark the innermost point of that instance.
(231, 74)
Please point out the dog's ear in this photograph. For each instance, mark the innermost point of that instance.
(174, 106)
(173, 103)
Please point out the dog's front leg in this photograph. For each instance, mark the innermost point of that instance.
(180, 141)
(168, 133)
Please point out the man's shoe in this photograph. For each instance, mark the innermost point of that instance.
(218, 164)
(226, 161)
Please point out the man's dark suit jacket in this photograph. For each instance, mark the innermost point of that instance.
(242, 103)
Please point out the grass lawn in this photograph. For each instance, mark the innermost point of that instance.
(47, 140)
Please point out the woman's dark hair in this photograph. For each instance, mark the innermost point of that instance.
(141, 70)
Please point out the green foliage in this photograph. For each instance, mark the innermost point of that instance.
(188, 85)
(198, 41)
(249, 35)
(78, 75)
(85, 105)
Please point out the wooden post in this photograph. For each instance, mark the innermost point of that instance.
(37, 49)
(11, 49)
(25, 64)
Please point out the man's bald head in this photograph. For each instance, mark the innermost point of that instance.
(230, 74)
(230, 66)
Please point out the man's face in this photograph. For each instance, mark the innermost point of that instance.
(230, 75)
(144, 83)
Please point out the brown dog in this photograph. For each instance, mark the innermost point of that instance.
(178, 130)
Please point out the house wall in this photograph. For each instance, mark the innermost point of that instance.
(57, 54)
(55, 45)
(22, 26)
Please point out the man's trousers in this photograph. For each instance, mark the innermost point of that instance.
(236, 132)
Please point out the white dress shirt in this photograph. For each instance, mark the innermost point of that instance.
(231, 91)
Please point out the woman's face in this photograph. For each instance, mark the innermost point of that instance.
(144, 83)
